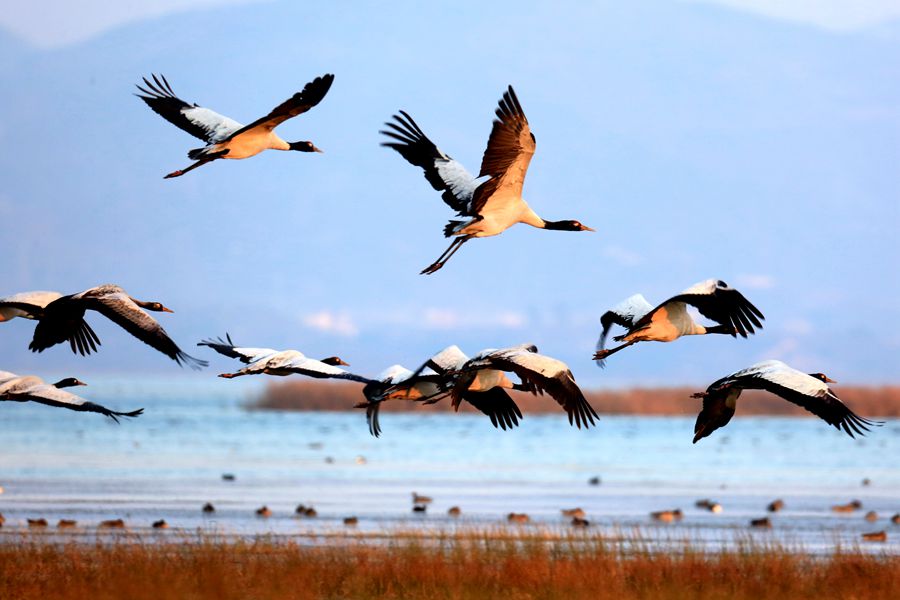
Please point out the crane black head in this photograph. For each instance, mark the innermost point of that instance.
(334, 361)
(303, 147)
(822, 377)
(569, 225)
(154, 306)
(68, 382)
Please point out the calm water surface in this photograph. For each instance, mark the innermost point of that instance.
(169, 462)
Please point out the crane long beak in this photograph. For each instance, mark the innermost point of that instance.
(586, 228)
(319, 150)
(168, 310)
(79, 382)
(829, 380)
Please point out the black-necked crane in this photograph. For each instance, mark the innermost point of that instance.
(488, 207)
(63, 318)
(266, 361)
(713, 298)
(397, 382)
(538, 373)
(224, 137)
(809, 391)
(30, 388)
(433, 382)
(31, 305)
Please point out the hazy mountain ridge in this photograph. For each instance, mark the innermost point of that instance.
(733, 126)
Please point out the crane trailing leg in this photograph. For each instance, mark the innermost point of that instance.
(443, 258)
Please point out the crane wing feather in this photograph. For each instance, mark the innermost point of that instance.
(227, 348)
(544, 374)
(443, 172)
(311, 94)
(799, 388)
(720, 303)
(119, 308)
(202, 123)
(508, 154)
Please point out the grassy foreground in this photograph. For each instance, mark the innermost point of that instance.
(448, 568)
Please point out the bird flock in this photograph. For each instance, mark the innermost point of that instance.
(486, 205)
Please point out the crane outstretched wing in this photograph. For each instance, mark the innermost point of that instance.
(227, 348)
(202, 123)
(548, 375)
(508, 153)
(624, 314)
(120, 309)
(442, 172)
(312, 93)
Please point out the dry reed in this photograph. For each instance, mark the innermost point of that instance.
(471, 567)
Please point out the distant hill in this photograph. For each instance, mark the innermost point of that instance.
(699, 141)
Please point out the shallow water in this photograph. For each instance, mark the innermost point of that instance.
(169, 462)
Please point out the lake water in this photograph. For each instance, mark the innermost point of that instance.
(169, 462)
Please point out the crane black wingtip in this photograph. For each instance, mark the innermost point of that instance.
(182, 358)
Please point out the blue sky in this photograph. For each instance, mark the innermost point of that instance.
(700, 139)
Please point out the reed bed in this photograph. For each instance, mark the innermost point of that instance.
(303, 395)
(449, 566)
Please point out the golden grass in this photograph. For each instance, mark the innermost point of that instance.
(452, 567)
(308, 395)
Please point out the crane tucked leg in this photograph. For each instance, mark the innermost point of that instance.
(206, 159)
(443, 258)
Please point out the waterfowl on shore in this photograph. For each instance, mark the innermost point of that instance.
(667, 322)
(208, 508)
(263, 511)
(707, 504)
(809, 391)
(37, 523)
(63, 320)
(280, 363)
(580, 522)
(850, 507)
(30, 388)
(875, 536)
(488, 207)
(454, 511)
(775, 505)
(762, 523)
(112, 524)
(518, 518)
(419, 508)
(419, 499)
(351, 521)
(895, 519)
(538, 374)
(31, 305)
(573, 512)
(667, 516)
(224, 137)
(871, 516)
(161, 524)
(66, 523)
